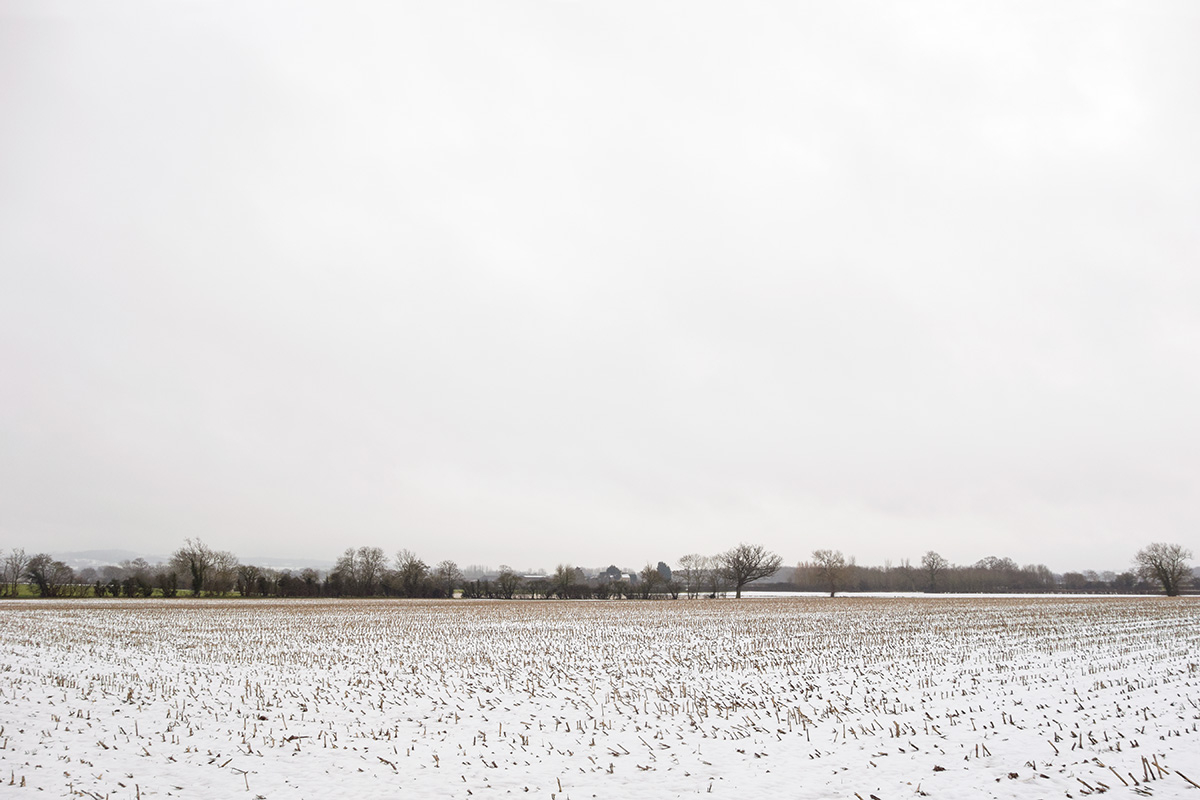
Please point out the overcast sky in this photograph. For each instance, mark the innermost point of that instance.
(595, 282)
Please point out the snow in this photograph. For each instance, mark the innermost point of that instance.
(801, 697)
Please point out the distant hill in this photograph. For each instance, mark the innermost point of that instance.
(288, 563)
(82, 559)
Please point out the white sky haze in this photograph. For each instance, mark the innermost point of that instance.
(596, 282)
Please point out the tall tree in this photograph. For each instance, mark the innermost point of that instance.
(247, 579)
(713, 575)
(448, 577)
(411, 574)
(691, 573)
(167, 580)
(15, 564)
(508, 582)
(650, 581)
(831, 567)
(561, 581)
(361, 571)
(195, 560)
(223, 576)
(933, 565)
(372, 563)
(48, 574)
(746, 563)
(1164, 563)
(311, 580)
(344, 574)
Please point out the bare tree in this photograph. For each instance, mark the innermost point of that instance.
(746, 563)
(137, 581)
(412, 574)
(691, 573)
(831, 567)
(248, 576)
(1164, 563)
(934, 565)
(15, 564)
(195, 560)
(651, 580)
(310, 579)
(167, 581)
(508, 582)
(448, 577)
(361, 571)
(49, 575)
(713, 577)
(370, 568)
(560, 582)
(222, 578)
(345, 571)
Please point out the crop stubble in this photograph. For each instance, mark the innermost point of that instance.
(797, 697)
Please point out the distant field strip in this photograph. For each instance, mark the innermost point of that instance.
(798, 697)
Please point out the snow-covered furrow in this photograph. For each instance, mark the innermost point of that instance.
(800, 697)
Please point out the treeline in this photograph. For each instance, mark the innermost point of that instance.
(51, 578)
(829, 571)
(198, 570)
(220, 575)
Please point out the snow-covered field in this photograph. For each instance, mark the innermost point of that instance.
(796, 698)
